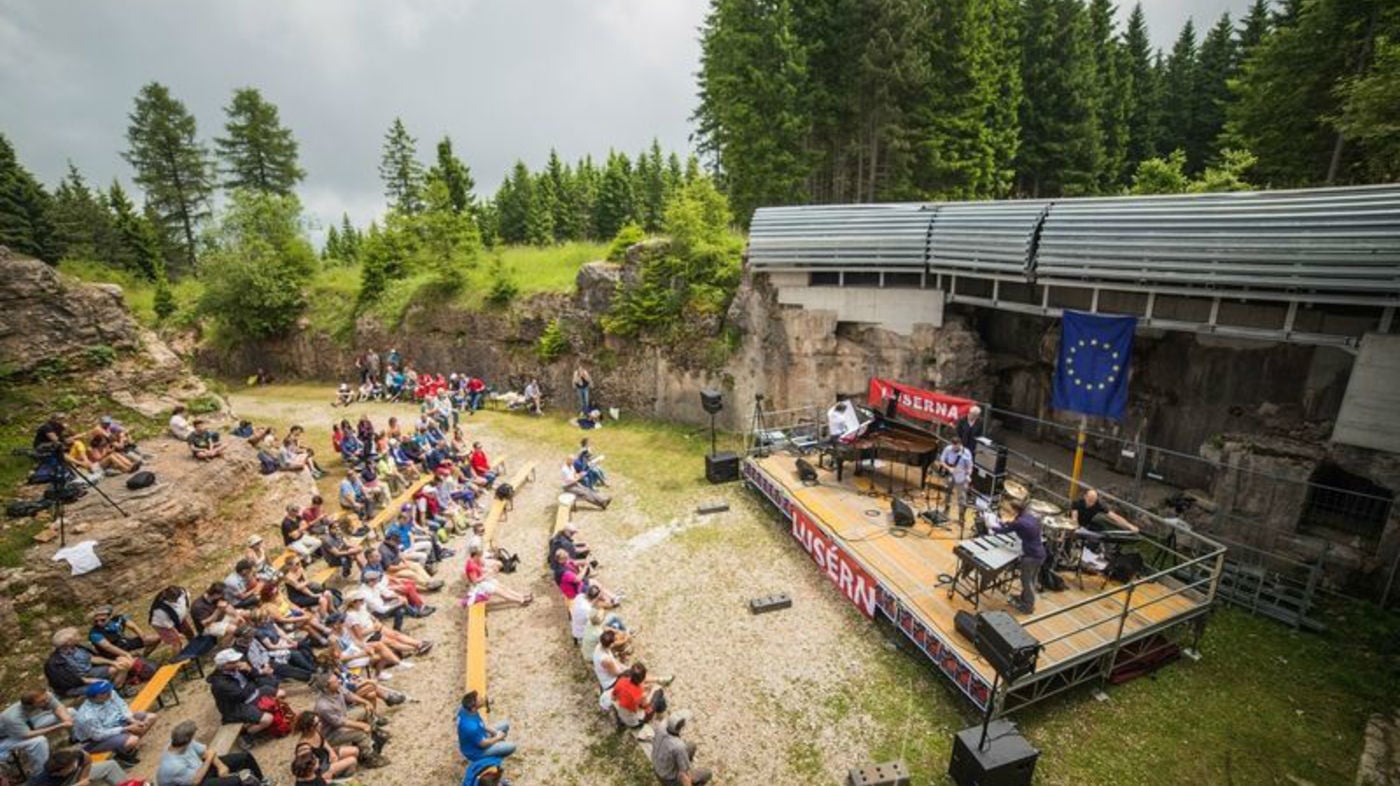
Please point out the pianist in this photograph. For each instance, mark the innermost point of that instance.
(1093, 519)
(1025, 526)
(844, 423)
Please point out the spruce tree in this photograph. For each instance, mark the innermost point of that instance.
(1144, 109)
(349, 239)
(82, 224)
(514, 202)
(1113, 102)
(563, 219)
(615, 205)
(1179, 87)
(259, 153)
(652, 196)
(1214, 69)
(400, 170)
(172, 167)
(456, 175)
(1253, 28)
(137, 237)
(332, 249)
(539, 216)
(1060, 150)
(25, 225)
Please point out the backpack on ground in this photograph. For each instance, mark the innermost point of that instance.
(508, 560)
(141, 480)
(505, 491)
(281, 713)
(267, 465)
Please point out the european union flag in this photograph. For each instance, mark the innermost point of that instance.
(1091, 377)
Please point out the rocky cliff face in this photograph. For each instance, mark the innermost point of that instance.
(44, 319)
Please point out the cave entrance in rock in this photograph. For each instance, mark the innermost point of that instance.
(1343, 501)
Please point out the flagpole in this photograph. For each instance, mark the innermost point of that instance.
(1078, 458)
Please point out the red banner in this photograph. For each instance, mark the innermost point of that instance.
(918, 404)
(844, 572)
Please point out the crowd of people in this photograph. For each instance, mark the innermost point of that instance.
(105, 449)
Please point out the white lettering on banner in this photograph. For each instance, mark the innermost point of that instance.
(846, 574)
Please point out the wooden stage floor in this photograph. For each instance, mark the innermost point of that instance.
(910, 568)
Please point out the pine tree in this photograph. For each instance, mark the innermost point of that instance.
(1060, 150)
(1253, 29)
(25, 225)
(259, 153)
(651, 197)
(1114, 100)
(400, 170)
(349, 239)
(615, 205)
(1179, 87)
(753, 115)
(539, 217)
(172, 167)
(1370, 112)
(584, 196)
(1144, 109)
(456, 175)
(82, 225)
(1214, 69)
(563, 217)
(332, 250)
(514, 202)
(137, 237)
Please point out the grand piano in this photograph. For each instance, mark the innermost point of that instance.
(893, 441)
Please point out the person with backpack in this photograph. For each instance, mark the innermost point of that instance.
(346, 719)
(169, 617)
(238, 694)
(70, 668)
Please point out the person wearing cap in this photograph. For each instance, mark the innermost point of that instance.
(566, 539)
(382, 656)
(256, 553)
(204, 442)
(70, 668)
(347, 718)
(671, 756)
(116, 434)
(188, 762)
(368, 628)
(104, 722)
(296, 534)
(573, 484)
(236, 692)
(114, 636)
(24, 727)
(73, 767)
(475, 739)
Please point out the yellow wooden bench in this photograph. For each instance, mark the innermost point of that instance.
(225, 737)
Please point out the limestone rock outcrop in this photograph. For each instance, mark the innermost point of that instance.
(45, 319)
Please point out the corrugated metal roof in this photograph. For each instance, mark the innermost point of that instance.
(1342, 241)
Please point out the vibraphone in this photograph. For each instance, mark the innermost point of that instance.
(985, 564)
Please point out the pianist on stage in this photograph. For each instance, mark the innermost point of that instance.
(844, 423)
(956, 463)
(1093, 519)
(1025, 526)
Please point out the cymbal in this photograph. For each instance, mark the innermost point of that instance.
(1042, 508)
(1015, 489)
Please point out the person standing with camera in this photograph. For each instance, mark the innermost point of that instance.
(956, 464)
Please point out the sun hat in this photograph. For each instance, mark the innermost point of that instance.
(227, 656)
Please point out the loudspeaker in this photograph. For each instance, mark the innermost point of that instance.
(806, 472)
(1008, 760)
(965, 623)
(712, 400)
(1010, 650)
(903, 514)
(989, 469)
(721, 467)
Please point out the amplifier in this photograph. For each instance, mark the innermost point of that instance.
(988, 468)
(1008, 760)
(721, 467)
(1006, 645)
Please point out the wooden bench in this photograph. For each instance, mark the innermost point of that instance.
(225, 737)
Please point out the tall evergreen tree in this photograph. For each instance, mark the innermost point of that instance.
(400, 170)
(651, 197)
(615, 205)
(82, 224)
(1179, 86)
(1060, 149)
(1253, 28)
(350, 238)
(539, 217)
(138, 238)
(514, 203)
(1144, 110)
(1214, 70)
(455, 175)
(753, 115)
(172, 167)
(1114, 100)
(563, 218)
(259, 153)
(25, 225)
(891, 70)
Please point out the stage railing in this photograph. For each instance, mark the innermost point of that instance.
(784, 428)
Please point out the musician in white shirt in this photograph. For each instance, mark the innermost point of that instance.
(956, 461)
(843, 422)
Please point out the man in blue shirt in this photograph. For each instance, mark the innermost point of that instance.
(1026, 527)
(475, 739)
(188, 762)
(956, 461)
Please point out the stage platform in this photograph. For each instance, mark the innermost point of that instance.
(902, 575)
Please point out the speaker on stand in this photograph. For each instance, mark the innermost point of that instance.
(719, 467)
(996, 754)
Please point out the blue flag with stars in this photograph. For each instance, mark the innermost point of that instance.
(1091, 376)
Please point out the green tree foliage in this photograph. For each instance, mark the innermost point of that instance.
(1370, 111)
(651, 189)
(1168, 175)
(1215, 67)
(172, 167)
(262, 261)
(1060, 146)
(400, 170)
(456, 175)
(504, 288)
(25, 223)
(753, 116)
(514, 205)
(1145, 89)
(615, 205)
(683, 289)
(553, 343)
(332, 250)
(349, 239)
(1114, 100)
(82, 223)
(1253, 29)
(565, 218)
(1180, 86)
(137, 246)
(629, 235)
(449, 237)
(259, 153)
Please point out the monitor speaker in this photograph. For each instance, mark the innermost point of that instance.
(1008, 648)
(1006, 760)
(712, 400)
(903, 513)
(721, 467)
(806, 472)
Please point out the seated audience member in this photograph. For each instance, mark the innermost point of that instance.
(180, 428)
(281, 646)
(53, 431)
(573, 483)
(296, 534)
(330, 761)
(338, 551)
(26, 724)
(671, 756)
(481, 589)
(581, 610)
(243, 589)
(70, 668)
(352, 496)
(204, 442)
(574, 577)
(104, 723)
(590, 420)
(475, 739)
(386, 559)
(100, 453)
(267, 670)
(80, 460)
(344, 396)
(73, 767)
(366, 625)
(482, 466)
(213, 615)
(385, 602)
(588, 464)
(534, 399)
(112, 635)
(567, 540)
(188, 762)
(170, 618)
(346, 719)
(238, 693)
(599, 620)
(635, 699)
(301, 592)
(607, 666)
(117, 434)
(306, 771)
(476, 393)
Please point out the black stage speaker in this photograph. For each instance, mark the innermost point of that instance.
(721, 467)
(712, 400)
(1006, 760)
(903, 514)
(1006, 645)
(988, 468)
(806, 472)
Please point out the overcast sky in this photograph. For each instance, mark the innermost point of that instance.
(506, 79)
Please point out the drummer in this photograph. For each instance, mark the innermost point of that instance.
(1092, 518)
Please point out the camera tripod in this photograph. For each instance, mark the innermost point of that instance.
(758, 428)
(61, 477)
